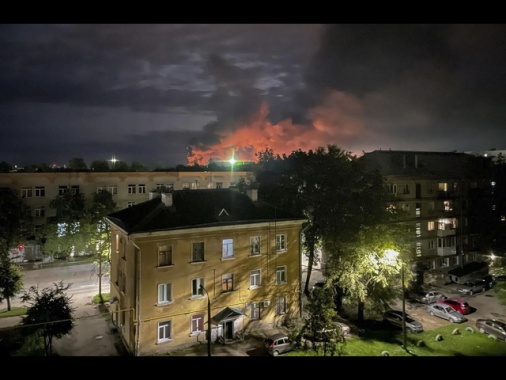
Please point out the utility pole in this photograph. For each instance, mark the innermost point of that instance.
(404, 338)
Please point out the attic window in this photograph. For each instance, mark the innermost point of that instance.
(223, 211)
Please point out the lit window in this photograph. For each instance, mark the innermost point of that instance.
(130, 204)
(227, 282)
(430, 226)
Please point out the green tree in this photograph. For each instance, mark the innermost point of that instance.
(5, 167)
(98, 233)
(100, 166)
(336, 192)
(137, 167)
(120, 166)
(369, 266)
(11, 281)
(50, 314)
(77, 164)
(61, 233)
(16, 222)
(319, 327)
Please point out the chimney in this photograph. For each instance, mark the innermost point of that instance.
(253, 194)
(167, 199)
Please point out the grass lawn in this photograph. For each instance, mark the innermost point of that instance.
(15, 312)
(467, 342)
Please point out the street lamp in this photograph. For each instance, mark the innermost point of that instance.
(208, 321)
(394, 255)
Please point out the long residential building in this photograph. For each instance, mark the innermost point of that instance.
(127, 189)
(437, 192)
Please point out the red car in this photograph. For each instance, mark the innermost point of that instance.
(457, 304)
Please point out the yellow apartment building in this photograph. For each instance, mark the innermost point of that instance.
(184, 256)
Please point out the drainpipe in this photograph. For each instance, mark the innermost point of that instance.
(137, 295)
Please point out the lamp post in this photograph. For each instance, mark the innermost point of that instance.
(403, 309)
(208, 321)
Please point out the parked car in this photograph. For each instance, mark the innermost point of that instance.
(446, 312)
(472, 286)
(457, 304)
(279, 344)
(394, 318)
(492, 327)
(426, 297)
(489, 281)
(345, 329)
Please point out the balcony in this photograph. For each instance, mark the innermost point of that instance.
(447, 251)
(446, 232)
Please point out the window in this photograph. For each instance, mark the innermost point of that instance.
(164, 293)
(142, 189)
(198, 251)
(445, 262)
(62, 190)
(254, 311)
(39, 211)
(455, 260)
(418, 229)
(254, 245)
(418, 249)
(280, 305)
(121, 281)
(197, 284)
(392, 188)
(164, 331)
(418, 210)
(431, 244)
(112, 189)
(164, 255)
(227, 282)
(228, 248)
(448, 205)
(280, 243)
(404, 189)
(131, 189)
(130, 204)
(195, 185)
(26, 192)
(197, 323)
(442, 186)
(281, 275)
(254, 278)
(219, 185)
(186, 185)
(75, 189)
(431, 226)
(40, 191)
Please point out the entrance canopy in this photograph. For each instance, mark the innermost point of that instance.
(227, 314)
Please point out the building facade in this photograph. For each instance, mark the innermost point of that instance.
(127, 189)
(434, 191)
(184, 259)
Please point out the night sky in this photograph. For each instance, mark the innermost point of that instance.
(170, 94)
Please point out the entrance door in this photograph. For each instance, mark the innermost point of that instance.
(229, 330)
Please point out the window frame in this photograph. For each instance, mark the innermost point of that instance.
(166, 251)
(195, 251)
(227, 283)
(165, 329)
(254, 246)
(255, 278)
(164, 293)
(197, 324)
(281, 275)
(196, 285)
(281, 245)
(227, 248)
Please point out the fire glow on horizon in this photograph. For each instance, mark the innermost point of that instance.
(337, 120)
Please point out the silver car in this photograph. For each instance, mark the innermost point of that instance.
(446, 312)
(394, 318)
(472, 286)
(278, 344)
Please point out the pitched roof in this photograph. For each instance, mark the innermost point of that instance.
(197, 208)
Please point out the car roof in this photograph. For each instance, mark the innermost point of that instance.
(501, 323)
(459, 300)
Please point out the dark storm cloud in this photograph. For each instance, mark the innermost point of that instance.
(96, 90)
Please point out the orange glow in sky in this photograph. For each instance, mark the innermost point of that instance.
(334, 122)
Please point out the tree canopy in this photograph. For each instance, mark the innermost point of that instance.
(50, 314)
(11, 281)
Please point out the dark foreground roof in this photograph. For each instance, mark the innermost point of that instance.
(197, 208)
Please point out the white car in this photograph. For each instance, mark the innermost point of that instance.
(446, 312)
